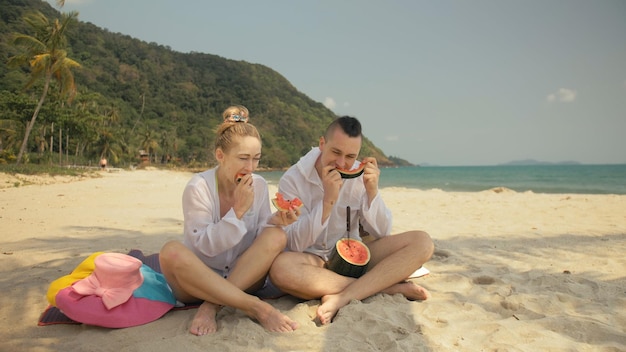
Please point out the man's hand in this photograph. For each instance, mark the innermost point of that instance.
(371, 175)
(332, 182)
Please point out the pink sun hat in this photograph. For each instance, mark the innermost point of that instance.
(114, 279)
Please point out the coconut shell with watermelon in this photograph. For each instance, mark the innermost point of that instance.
(351, 173)
(283, 204)
(350, 258)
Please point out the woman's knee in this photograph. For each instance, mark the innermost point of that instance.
(274, 239)
(171, 252)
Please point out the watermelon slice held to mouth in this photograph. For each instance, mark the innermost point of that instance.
(239, 177)
(283, 204)
(351, 173)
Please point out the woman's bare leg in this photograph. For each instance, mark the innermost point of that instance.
(254, 264)
(191, 280)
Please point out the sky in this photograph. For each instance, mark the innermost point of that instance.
(446, 82)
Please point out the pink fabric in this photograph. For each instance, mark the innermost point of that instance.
(114, 279)
(90, 310)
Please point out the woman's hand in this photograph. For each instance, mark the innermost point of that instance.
(243, 196)
(284, 218)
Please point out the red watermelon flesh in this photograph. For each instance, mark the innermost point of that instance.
(350, 258)
(351, 173)
(238, 177)
(283, 204)
(353, 251)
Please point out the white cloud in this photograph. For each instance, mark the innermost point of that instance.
(563, 95)
(330, 103)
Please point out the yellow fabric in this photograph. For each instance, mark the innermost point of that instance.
(84, 269)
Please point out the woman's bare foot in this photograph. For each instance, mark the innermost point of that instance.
(329, 308)
(410, 290)
(272, 319)
(204, 321)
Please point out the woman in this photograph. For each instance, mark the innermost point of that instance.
(230, 235)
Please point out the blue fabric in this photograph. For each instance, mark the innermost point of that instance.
(154, 287)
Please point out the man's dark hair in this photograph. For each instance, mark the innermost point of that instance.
(349, 125)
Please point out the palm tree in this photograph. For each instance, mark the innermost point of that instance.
(149, 143)
(8, 131)
(47, 59)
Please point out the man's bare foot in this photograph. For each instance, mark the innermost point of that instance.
(272, 319)
(329, 308)
(204, 321)
(410, 290)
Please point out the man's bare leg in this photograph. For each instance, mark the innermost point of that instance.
(410, 290)
(394, 259)
(303, 275)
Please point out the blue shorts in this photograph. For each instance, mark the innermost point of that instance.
(269, 290)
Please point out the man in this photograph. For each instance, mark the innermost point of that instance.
(302, 271)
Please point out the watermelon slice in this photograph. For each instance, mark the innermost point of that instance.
(283, 204)
(351, 173)
(239, 176)
(350, 258)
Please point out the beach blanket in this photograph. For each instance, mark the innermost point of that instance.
(53, 315)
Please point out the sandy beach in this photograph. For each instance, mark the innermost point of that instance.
(511, 271)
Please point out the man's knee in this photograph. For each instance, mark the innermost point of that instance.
(424, 242)
(285, 266)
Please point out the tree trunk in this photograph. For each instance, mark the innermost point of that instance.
(60, 145)
(30, 125)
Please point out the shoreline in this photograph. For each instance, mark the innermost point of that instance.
(512, 271)
(462, 179)
(22, 180)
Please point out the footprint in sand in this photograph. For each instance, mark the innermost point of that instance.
(441, 255)
(484, 280)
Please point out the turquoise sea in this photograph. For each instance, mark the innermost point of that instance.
(583, 179)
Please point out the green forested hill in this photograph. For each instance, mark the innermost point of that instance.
(134, 95)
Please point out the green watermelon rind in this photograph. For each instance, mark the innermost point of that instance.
(277, 206)
(351, 173)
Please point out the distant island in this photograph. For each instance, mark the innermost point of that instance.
(399, 161)
(527, 162)
(524, 162)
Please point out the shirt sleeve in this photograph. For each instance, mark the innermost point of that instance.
(377, 218)
(304, 232)
(265, 210)
(203, 228)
